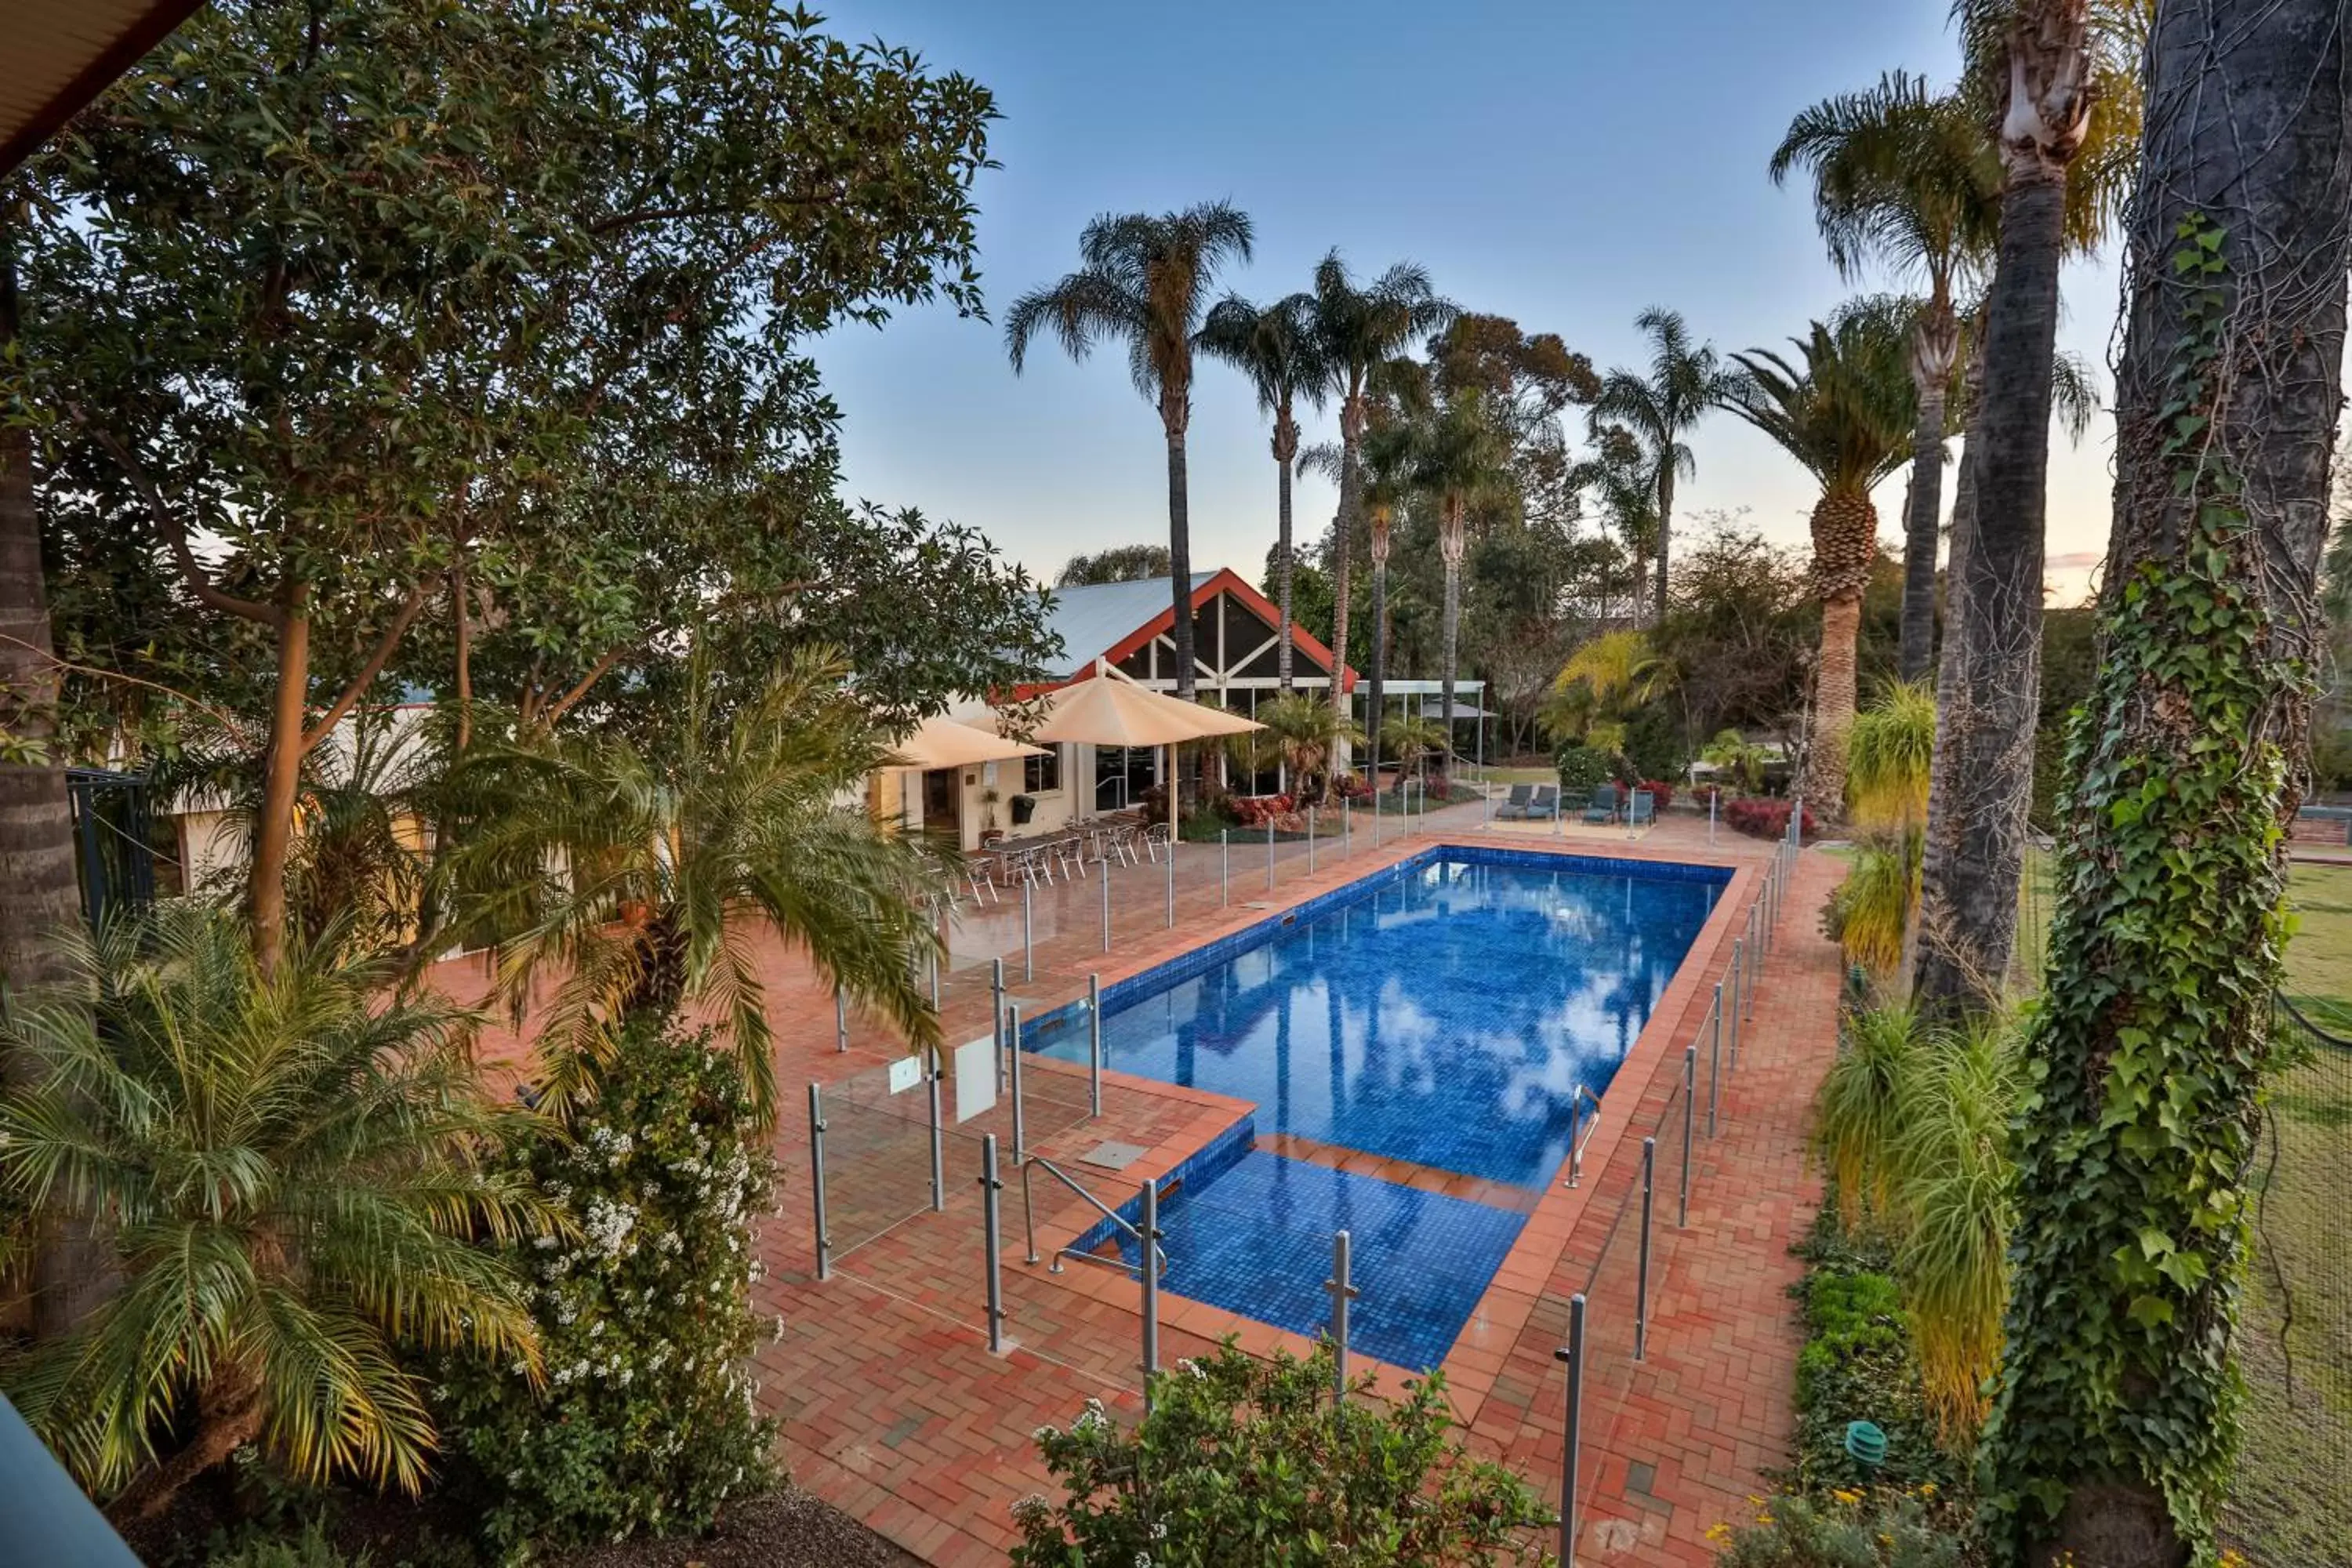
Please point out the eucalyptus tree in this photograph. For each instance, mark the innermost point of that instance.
(1276, 347)
(1660, 405)
(1845, 414)
(1146, 281)
(2116, 1409)
(1362, 328)
(2060, 80)
(1462, 461)
(1906, 180)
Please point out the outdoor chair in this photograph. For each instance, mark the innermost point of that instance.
(1153, 837)
(1521, 796)
(1640, 809)
(1602, 808)
(1071, 853)
(1544, 804)
(981, 872)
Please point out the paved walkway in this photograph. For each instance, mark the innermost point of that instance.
(896, 1410)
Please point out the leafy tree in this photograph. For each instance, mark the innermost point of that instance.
(1120, 563)
(1413, 741)
(1460, 460)
(637, 874)
(1250, 1463)
(1360, 329)
(1277, 349)
(1660, 406)
(1601, 686)
(1145, 280)
(1906, 179)
(1738, 756)
(1305, 734)
(1624, 483)
(1847, 418)
(1738, 631)
(287, 1169)
(391, 305)
(2112, 1433)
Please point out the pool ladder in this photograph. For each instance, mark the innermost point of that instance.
(1581, 1129)
(1029, 1220)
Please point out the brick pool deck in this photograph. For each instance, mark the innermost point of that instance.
(895, 1410)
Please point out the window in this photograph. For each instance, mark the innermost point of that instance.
(1040, 774)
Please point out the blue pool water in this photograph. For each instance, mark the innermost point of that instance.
(1445, 1016)
(1441, 1012)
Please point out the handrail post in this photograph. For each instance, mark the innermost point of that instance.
(1094, 1045)
(816, 1180)
(1573, 1448)
(1641, 1278)
(1690, 1094)
(1713, 1059)
(933, 1071)
(991, 1228)
(1342, 1286)
(1012, 1041)
(1148, 1254)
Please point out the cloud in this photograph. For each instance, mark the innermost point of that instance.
(2074, 560)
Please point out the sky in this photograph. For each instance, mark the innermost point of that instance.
(1563, 165)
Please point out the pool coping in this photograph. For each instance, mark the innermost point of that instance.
(1477, 1355)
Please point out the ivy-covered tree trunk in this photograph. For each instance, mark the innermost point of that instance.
(1975, 847)
(2113, 1426)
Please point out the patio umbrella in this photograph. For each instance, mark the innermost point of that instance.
(944, 743)
(1113, 711)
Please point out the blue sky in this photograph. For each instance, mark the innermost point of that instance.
(1563, 165)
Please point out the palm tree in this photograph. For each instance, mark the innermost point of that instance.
(2112, 1431)
(1846, 417)
(1683, 384)
(1414, 741)
(1389, 451)
(1602, 686)
(289, 1172)
(1145, 280)
(1906, 180)
(1463, 460)
(2061, 79)
(638, 876)
(1626, 489)
(1277, 348)
(1304, 733)
(1360, 329)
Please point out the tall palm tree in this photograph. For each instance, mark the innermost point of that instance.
(2059, 78)
(1390, 451)
(1683, 384)
(289, 1172)
(1462, 460)
(1846, 417)
(1360, 329)
(1145, 280)
(1906, 180)
(638, 877)
(1277, 348)
(1625, 488)
(2113, 1418)
(1303, 733)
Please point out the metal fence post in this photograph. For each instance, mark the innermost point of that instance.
(1342, 1286)
(996, 1017)
(993, 1229)
(1094, 1045)
(1641, 1276)
(933, 1073)
(1106, 904)
(1738, 985)
(1149, 1257)
(1714, 1058)
(1710, 816)
(1172, 881)
(840, 1020)
(1310, 841)
(1028, 936)
(1269, 852)
(1013, 1046)
(1573, 1448)
(1348, 825)
(1225, 865)
(816, 1180)
(1690, 1093)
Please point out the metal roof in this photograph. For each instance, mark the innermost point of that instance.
(1092, 620)
(58, 55)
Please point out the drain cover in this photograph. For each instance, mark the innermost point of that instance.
(1113, 1156)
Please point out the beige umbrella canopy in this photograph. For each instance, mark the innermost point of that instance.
(1113, 711)
(944, 743)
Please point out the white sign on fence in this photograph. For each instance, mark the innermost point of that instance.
(975, 1078)
(905, 1074)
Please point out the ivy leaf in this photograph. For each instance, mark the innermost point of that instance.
(2150, 1311)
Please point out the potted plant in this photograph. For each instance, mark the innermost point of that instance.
(989, 831)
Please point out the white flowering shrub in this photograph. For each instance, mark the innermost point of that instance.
(647, 1419)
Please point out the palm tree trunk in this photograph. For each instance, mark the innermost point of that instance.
(1665, 533)
(2111, 1422)
(1453, 637)
(1343, 528)
(1833, 704)
(1180, 562)
(1282, 581)
(1379, 661)
(1984, 783)
(1918, 639)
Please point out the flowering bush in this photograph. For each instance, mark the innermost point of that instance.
(647, 1419)
(1255, 810)
(1661, 792)
(1583, 770)
(1246, 1462)
(1759, 817)
(1850, 1528)
(1350, 786)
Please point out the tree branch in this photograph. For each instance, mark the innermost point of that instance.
(174, 532)
(620, 221)
(565, 704)
(374, 666)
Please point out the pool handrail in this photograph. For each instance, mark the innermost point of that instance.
(1591, 1125)
(1029, 1220)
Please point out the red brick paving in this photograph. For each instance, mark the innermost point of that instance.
(896, 1411)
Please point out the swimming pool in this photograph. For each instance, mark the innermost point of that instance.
(1440, 1013)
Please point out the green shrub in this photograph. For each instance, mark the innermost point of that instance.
(308, 1548)
(1858, 1364)
(1246, 1464)
(647, 1419)
(1583, 770)
(1849, 1528)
